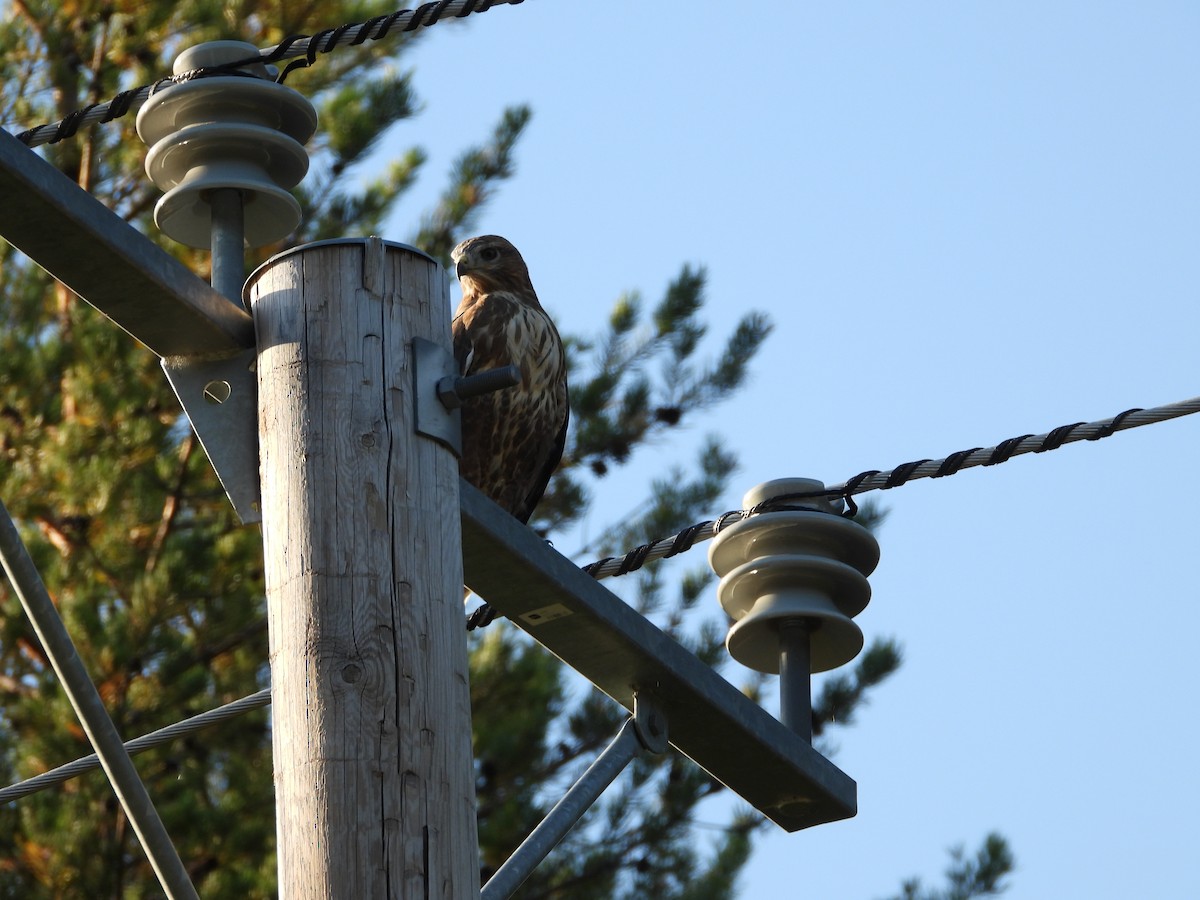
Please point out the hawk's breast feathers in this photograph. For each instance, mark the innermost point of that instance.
(512, 438)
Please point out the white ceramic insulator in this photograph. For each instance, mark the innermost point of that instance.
(808, 564)
(226, 131)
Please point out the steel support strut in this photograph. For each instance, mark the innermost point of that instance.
(92, 715)
(646, 729)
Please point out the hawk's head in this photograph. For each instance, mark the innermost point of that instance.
(490, 263)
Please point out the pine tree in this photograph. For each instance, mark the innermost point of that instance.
(981, 876)
(162, 589)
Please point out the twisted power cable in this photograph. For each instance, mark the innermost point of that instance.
(307, 46)
(874, 479)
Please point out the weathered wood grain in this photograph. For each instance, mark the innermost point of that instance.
(371, 711)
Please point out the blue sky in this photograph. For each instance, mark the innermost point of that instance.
(967, 222)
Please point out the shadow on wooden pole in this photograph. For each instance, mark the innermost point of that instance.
(371, 711)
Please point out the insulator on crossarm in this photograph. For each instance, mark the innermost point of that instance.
(792, 579)
(214, 134)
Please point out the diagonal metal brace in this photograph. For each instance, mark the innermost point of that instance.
(94, 718)
(646, 729)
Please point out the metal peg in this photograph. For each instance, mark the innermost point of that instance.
(452, 391)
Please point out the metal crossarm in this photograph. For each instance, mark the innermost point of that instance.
(619, 651)
(205, 340)
(110, 264)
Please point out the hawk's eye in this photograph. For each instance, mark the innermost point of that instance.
(489, 254)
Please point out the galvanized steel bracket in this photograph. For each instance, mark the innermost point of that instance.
(432, 364)
(650, 723)
(220, 397)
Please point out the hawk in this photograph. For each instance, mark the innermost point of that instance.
(512, 438)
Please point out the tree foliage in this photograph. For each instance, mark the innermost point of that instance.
(162, 590)
(968, 877)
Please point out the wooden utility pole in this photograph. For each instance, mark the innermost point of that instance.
(371, 719)
(361, 525)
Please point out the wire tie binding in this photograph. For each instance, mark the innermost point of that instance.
(1057, 437)
(235, 67)
(1004, 450)
(158, 84)
(310, 56)
(224, 70)
(593, 567)
(336, 37)
(434, 10)
(686, 538)
(364, 30)
(779, 503)
(70, 123)
(852, 484)
(1112, 427)
(721, 520)
(952, 463)
(850, 488)
(283, 48)
(902, 473)
(119, 105)
(771, 504)
(388, 22)
(633, 560)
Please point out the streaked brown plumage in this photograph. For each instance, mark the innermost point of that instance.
(512, 438)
